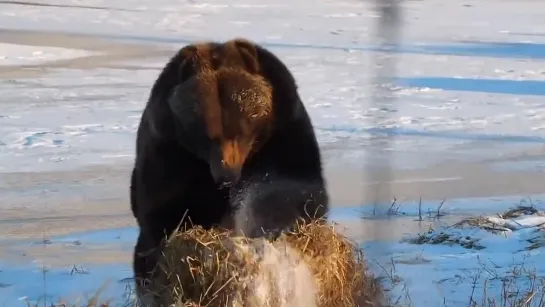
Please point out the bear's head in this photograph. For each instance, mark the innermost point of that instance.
(226, 101)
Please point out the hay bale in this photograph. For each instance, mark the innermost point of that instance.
(338, 266)
(312, 266)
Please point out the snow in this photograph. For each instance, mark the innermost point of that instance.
(469, 85)
(11, 54)
(109, 101)
(458, 260)
(457, 248)
(517, 224)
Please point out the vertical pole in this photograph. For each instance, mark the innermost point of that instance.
(379, 169)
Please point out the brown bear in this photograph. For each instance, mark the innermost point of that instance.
(224, 140)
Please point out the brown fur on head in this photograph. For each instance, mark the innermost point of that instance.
(222, 85)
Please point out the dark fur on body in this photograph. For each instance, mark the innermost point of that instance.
(219, 117)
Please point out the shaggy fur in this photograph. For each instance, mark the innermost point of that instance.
(223, 118)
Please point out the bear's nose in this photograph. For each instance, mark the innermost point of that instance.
(225, 176)
(230, 175)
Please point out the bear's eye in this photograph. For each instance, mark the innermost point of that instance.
(186, 109)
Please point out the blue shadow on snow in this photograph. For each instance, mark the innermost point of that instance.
(472, 49)
(515, 87)
(20, 283)
(437, 134)
(486, 49)
(463, 48)
(127, 235)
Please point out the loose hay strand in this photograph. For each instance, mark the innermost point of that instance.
(214, 268)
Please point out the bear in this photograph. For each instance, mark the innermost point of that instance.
(224, 128)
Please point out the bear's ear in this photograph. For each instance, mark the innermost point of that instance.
(286, 100)
(187, 57)
(248, 52)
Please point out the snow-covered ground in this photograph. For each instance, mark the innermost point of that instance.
(469, 117)
(324, 44)
(11, 54)
(465, 260)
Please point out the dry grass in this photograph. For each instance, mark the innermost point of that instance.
(313, 265)
(520, 287)
(338, 266)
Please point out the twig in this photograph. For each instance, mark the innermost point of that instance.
(391, 211)
(439, 208)
(420, 210)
